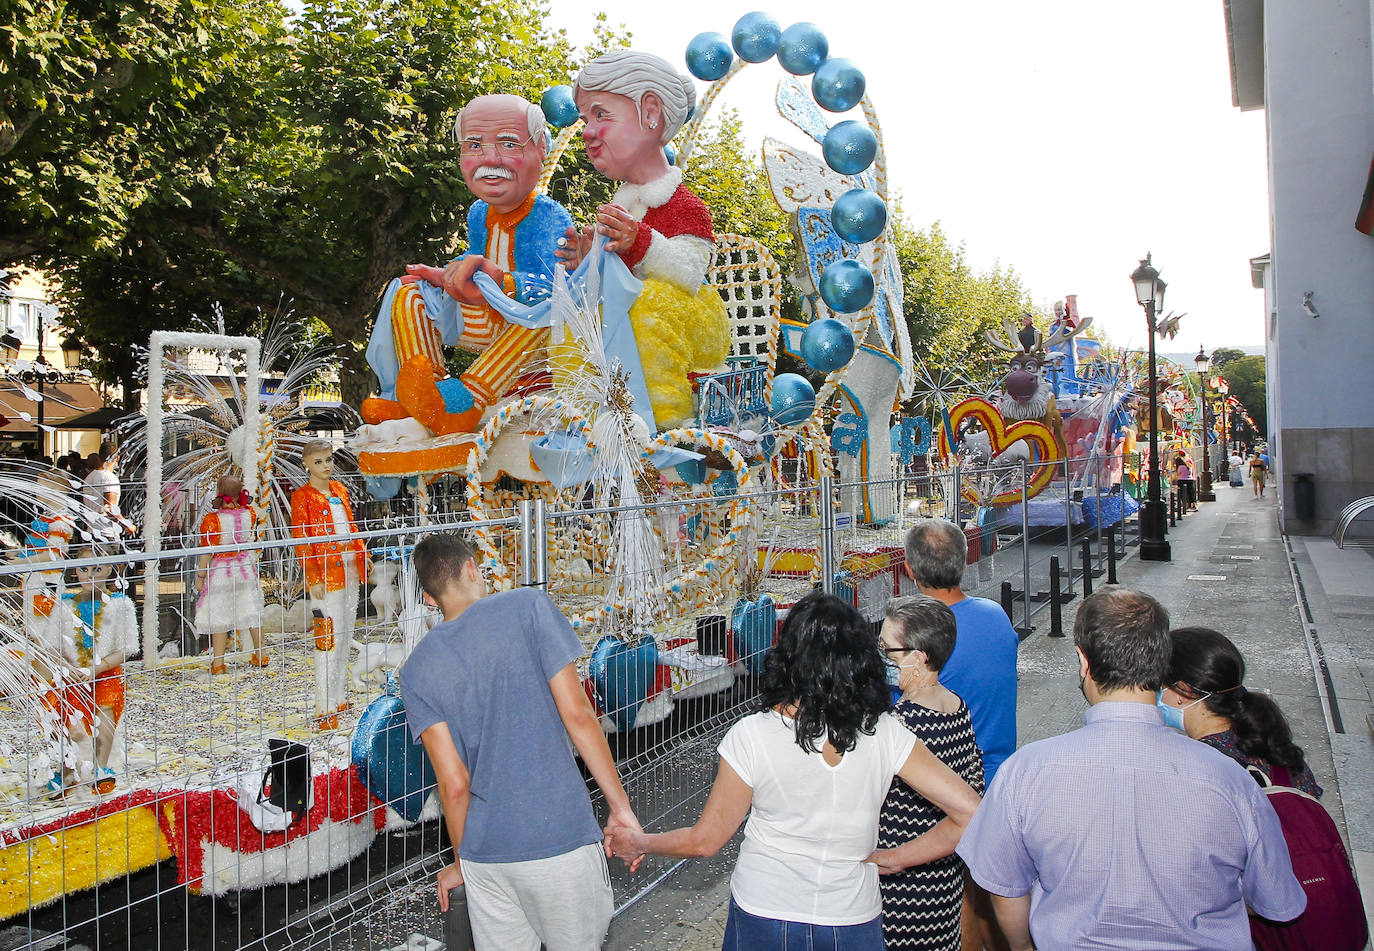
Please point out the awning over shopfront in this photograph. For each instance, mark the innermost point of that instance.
(61, 402)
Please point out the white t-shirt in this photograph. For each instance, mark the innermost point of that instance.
(98, 483)
(811, 824)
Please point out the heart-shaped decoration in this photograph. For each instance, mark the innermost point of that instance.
(394, 768)
(754, 625)
(1000, 437)
(621, 676)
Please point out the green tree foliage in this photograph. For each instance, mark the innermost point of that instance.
(1224, 355)
(97, 103)
(1246, 376)
(949, 305)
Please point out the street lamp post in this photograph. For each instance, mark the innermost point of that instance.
(1204, 362)
(1149, 292)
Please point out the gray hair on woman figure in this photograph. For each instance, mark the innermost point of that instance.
(632, 74)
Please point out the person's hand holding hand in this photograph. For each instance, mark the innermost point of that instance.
(619, 227)
(449, 878)
(626, 844)
(317, 591)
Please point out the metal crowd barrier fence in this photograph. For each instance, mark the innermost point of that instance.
(183, 851)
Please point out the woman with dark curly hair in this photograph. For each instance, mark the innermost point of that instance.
(814, 763)
(1205, 698)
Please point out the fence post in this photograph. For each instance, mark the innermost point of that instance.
(525, 511)
(1056, 606)
(541, 543)
(1087, 555)
(827, 536)
(1025, 550)
(1006, 600)
(1111, 553)
(1068, 520)
(1173, 509)
(952, 497)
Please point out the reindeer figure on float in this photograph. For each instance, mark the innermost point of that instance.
(1026, 392)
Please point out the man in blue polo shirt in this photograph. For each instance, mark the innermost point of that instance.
(493, 694)
(981, 669)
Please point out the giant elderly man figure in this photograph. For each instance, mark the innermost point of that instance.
(632, 105)
(512, 234)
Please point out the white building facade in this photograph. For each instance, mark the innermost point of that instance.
(1308, 64)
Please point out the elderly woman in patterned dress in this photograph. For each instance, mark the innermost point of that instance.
(921, 904)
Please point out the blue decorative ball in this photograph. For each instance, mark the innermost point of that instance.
(709, 56)
(803, 47)
(838, 85)
(558, 105)
(670, 154)
(756, 36)
(846, 286)
(849, 147)
(827, 345)
(793, 399)
(859, 216)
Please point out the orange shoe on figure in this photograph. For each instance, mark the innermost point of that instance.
(444, 407)
(217, 669)
(327, 722)
(259, 659)
(376, 410)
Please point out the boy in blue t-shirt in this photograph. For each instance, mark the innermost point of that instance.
(493, 694)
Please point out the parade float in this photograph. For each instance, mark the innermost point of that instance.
(672, 543)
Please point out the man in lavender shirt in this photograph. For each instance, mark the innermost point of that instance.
(1125, 834)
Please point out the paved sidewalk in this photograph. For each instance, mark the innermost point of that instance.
(1231, 570)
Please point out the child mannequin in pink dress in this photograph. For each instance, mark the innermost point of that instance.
(230, 589)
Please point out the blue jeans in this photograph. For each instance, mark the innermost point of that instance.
(746, 932)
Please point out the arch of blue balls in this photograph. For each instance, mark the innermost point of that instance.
(849, 148)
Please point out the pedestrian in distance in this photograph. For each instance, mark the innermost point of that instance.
(1259, 468)
(981, 670)
(1133, 836)
(922, 905)
(493, 694)
(810, 769)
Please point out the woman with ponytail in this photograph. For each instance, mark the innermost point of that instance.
(1205, 697)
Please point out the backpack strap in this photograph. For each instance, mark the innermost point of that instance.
(1259, 776)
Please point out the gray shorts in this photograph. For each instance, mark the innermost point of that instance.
(563, 902)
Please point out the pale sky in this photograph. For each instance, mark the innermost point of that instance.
(1064, 138)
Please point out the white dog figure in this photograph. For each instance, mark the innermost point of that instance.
(386, 597)
(372, 662)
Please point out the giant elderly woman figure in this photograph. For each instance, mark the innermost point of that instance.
(632, 104)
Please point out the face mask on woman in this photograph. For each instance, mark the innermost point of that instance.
(1173, 716)
(894, 672)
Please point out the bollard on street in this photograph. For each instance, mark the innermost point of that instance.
(1087, 556)
(1056, 605)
